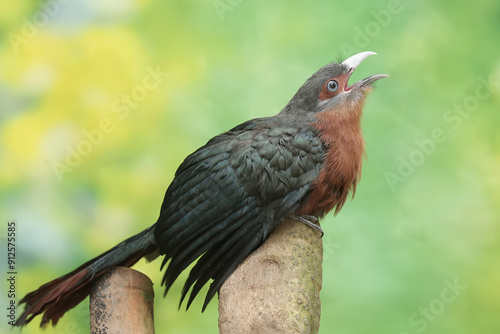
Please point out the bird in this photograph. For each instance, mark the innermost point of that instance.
(229, 195)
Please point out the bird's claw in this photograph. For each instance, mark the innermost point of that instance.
(310, 221)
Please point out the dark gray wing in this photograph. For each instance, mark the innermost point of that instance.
(229, 195)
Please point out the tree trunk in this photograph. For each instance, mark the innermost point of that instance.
(276, 289)
(121, 302)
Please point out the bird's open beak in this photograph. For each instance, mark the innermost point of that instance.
(352, 62)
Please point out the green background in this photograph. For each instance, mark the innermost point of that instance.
(426, 211)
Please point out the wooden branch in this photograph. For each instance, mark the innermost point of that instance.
(276, 289)
(121, 302)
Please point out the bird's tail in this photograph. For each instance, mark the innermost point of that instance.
(62, 294)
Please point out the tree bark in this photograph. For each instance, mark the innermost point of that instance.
(121, 302)
(276, 289)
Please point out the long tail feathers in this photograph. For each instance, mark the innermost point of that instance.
(56, 297)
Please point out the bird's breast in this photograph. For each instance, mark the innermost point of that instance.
(341, 167)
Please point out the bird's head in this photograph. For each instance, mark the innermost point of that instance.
(329, 89)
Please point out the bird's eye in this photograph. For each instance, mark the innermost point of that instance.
(332, 85)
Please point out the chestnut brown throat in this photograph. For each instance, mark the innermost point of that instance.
(341, 133)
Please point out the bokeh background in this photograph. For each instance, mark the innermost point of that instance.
(100, 101)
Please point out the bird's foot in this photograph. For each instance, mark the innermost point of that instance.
(310, 221)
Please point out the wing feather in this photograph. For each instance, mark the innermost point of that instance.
(229, 195)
